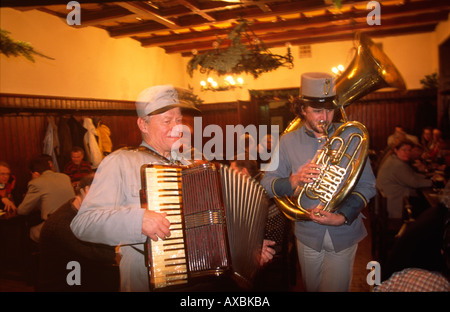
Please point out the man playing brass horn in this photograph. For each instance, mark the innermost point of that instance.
(327, 245)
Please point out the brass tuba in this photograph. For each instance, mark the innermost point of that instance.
(344, 154)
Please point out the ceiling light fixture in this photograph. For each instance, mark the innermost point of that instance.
(229, 83)
(338, 70)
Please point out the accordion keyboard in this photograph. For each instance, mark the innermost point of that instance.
(168, 256)
(217, 217)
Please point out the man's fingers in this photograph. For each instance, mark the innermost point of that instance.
(153, 237)
(156, 225)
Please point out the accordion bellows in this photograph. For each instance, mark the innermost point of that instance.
(218, 218)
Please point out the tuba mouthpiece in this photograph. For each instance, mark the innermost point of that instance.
(323, 125)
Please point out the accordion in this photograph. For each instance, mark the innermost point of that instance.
(218, 218)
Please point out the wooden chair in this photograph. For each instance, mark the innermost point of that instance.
(407, 216)
(382, 231)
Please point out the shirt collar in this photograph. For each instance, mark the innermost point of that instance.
(171, 159)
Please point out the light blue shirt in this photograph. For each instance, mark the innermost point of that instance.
(397, 179)
(297, 148)
(111, 213)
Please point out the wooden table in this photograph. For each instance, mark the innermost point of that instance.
(431, 195)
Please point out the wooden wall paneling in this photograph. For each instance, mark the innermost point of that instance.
(27, 140)
(245, 116)
(27, 137)
(23, 136)
(6, 140)
(220, 114)
(380, 112)
(124, 130)
(40, 127)
(444, 115)
(382, 125)
(22, 139)
(21, 142)
(23, 124)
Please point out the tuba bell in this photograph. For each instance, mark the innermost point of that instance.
(344, 154)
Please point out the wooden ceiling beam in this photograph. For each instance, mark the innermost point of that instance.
(350, 35)
(308, 34)
(180, 26)
(193, 20)
(387, 12)
(289, 8)
(110, 13)
(370, 32)
(195, 9)
(145, 11)
(261, 29)
(221, 16)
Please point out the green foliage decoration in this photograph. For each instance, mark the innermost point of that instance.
(237, 58)
(430, 81)
(11, 47)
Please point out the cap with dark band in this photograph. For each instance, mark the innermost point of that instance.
(318, 90)
(159, 99)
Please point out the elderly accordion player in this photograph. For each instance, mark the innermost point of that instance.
(218, 217)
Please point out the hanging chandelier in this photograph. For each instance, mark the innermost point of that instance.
(228, 83)
(250, 58)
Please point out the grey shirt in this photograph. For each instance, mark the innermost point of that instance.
(298, 148)
(47, 192)
(111, 213)
(396, 179)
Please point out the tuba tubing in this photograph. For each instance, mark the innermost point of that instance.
(369, 71)
(349, 164)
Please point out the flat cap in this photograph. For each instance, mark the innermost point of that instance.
(158, 99)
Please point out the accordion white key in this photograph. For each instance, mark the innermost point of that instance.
(218, 218)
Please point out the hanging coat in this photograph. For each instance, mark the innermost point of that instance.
(91, 144)
(77, 131)
(65, 142)
(104, 141)
(51, 142)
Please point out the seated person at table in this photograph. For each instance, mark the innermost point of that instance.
(7, 183)
(416, 160)
(77, 168)
(420, 245)
(47, 191)
(59, 246)
(400, 135)
(396, 179)
(426, 137)
(420, 260)
(437, 148)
